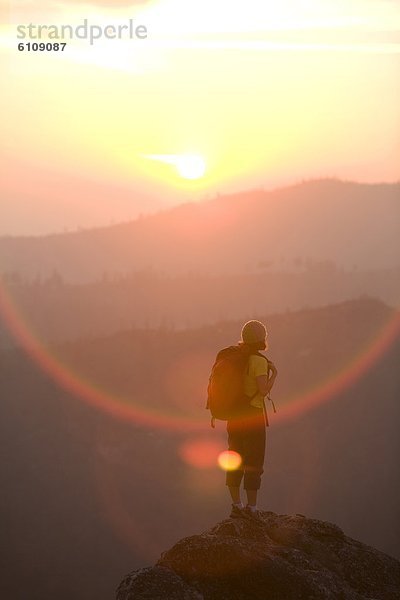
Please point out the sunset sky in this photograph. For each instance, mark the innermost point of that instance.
(259, 93)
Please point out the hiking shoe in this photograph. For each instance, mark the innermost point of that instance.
(237, 512)
(253, 515)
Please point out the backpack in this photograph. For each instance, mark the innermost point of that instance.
(226, 397)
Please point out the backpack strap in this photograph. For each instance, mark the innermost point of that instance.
(248, 372)
(265, 414)
(269, 398)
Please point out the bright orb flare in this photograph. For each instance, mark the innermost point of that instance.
(229, 460)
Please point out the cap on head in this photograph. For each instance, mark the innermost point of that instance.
(253, 332)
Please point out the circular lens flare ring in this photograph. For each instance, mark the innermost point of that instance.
(72, 382)
(348, 375)
(115, 406)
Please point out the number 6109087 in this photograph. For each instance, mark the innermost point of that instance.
(42, 47)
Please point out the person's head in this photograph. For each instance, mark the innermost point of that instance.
(254, 335)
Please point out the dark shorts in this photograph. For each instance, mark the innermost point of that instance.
(247, 437)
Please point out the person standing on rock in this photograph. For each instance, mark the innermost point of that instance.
(245, 375)
(247, 436)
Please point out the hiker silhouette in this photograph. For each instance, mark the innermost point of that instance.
(240, 379)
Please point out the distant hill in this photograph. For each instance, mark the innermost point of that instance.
(87, 497)
(58, 311)
(349, 224)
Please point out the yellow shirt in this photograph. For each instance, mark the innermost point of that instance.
(257, 366)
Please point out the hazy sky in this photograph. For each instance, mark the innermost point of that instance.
(265, 92)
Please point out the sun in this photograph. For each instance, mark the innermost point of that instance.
(190, 166)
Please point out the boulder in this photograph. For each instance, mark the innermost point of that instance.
(277, 557)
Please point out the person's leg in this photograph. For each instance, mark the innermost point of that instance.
(234, 477)
(251, 497)
(254, 461)
(235, 494)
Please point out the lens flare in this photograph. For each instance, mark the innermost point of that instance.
(139, 535)
(365, 356)
(76, 384)
(201, 453)
(229, 460)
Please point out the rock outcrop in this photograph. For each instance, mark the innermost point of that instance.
(279, 557)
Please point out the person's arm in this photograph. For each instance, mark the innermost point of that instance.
(264, 383)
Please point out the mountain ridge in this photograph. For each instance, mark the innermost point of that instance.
(328, 219)
(219, 197)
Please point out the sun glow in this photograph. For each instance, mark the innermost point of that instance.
(246, 96)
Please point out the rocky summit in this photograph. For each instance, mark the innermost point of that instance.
(276, 557)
